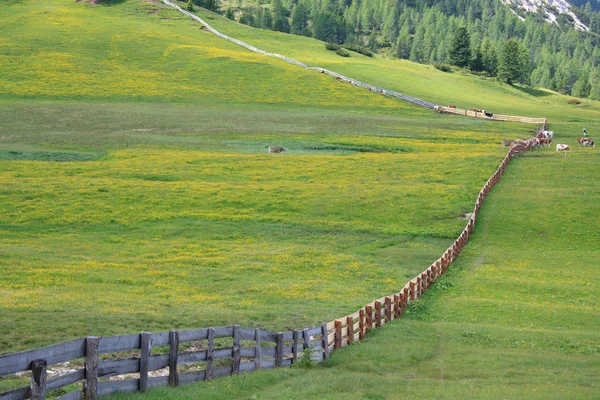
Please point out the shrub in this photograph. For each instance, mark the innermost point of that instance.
(342, 52)
(332, 46)
(359, 49)
(306, 362)
(443, 67)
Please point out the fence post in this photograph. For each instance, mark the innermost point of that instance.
(350, 323)
(377, 314)
(173, 358)
(388, 309)
(38, 380)
(295, 346)
(361, 324)
(258, 350)
(279, 350)
(145, 348)
(337, 338)
(235, 369)
(369, 318)
(91, 367)
(412, 291)
(306, 337)
(396, 306)
(325, 341)
(402, 303)
(210, 348)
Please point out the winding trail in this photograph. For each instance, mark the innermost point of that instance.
(341, 77)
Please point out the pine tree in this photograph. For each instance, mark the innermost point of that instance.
(267, 19)
(300, 17)
(229, 14)
(189, 6)
(460, 48)
(512, 67)
(476, 63)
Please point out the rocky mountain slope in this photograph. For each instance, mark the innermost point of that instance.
(552, 9)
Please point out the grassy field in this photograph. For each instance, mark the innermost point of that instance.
(515, 318)
(136, 193)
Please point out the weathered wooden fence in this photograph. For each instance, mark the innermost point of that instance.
(494, 117)
(250, 349)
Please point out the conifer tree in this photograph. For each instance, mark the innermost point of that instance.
(460, 48)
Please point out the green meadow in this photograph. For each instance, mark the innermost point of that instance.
(136, 193)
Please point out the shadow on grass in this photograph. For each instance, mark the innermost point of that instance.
(532, 91)
(110, 2)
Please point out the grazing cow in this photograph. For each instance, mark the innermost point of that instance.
(451, 106)
(589, 142)
(545, 141)
(548, 134)
(489, 115)
(276, 149)
(562, 147)
(583, 141)
(507, 143)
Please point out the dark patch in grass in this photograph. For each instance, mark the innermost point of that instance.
(157, 178)
(356, 149)
(46, 156)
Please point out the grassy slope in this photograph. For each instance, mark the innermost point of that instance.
(517, 315)
(165, 210)
(117, 253)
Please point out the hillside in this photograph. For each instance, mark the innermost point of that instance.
(137, 195)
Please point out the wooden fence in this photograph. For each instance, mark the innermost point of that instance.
(494, 117)
(250, 349)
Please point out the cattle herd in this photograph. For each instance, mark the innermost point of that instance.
(544, 138)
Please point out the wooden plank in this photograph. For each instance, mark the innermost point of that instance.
(258, 355)
(295, 337)
(247, 333)
(331, 337)
(368, 319)
(269, 351)
(337, 335)
(64, 380)
(223, 332)
(325, 342)
(160, 339)
(109, 387)
(361, 324)
(396, 306)
(314, 331)
(156, 381)
(118, 367)
(158, 362)
(377, 314)
(235, 368)
(288, 336)
(247, 367)
(38, 380)
(350, 323)
(279, 350)
(57, 353)
(73, 395)
(330, 326)
(305, 339)
(112, 344)
(173, 358)
(91, 367)
(145, 349)
(268, 364)
(193, 335)
(266, 336)
(210, 353)
(17, 394)
(388, 309)
(191, 377)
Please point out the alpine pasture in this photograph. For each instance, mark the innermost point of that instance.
(137, 194)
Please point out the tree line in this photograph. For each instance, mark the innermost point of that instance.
(485, 36)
